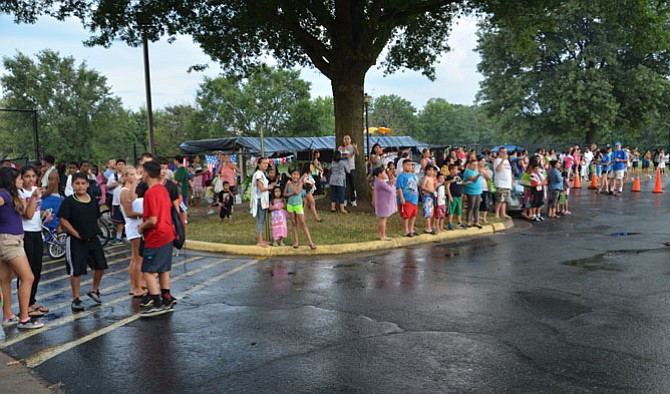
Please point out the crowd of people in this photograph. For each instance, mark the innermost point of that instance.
(455, 190)
(142, 201)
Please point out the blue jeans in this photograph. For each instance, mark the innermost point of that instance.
(337, 194)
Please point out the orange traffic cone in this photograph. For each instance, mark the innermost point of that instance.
(576, 184)
(658, 188)
(594, 182)
(636, 185)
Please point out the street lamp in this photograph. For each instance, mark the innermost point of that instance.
(366, 101)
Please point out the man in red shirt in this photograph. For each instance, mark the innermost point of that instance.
(158, 234)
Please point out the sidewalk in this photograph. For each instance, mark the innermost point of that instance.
(19, 379)
(304, 250)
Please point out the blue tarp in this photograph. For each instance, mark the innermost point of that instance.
(508, 147)
(283, 145)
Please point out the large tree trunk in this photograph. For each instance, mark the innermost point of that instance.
(348, 99)
(591, 135)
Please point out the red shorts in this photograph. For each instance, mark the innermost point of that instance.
(408, 210)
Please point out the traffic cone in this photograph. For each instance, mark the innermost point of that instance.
(576, 184)
(594, 182)
(636, 185)
(658, 188)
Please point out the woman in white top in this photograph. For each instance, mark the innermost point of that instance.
(32, 234)
(132, 214)
(260, 198)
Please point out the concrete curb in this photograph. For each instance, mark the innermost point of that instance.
(400, 242)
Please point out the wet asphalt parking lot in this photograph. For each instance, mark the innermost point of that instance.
(567, 305)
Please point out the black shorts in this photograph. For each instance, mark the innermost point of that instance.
(538, 198)
(157, 260)
(117, 215)
(225, 212)
(80, 254)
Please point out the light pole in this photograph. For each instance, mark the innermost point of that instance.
(366, 101)
(147, 87)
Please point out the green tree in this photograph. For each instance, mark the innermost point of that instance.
(575, 68)
(78, 116)
(342, 39)
(312, 118)
(172, 127)
(243, 106)
(395, 112)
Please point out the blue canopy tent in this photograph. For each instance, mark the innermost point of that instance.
(508, 147)
(286, 145)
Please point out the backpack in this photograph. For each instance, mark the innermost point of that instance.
(179, 229)
(94, 189)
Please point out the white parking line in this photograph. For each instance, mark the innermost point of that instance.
(70, 318)
(49, 353)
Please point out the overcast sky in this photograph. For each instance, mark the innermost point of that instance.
(457, 77)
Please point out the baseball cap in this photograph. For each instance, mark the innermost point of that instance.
(617, 143)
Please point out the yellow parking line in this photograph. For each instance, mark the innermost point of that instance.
(70, 318)
(51, 352)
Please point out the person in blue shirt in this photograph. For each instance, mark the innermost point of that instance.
(619, 163)
(473, 191)
(606, 164)
(408, 197)
(555, 187)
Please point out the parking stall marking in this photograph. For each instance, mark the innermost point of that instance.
(70, 318)
(51, 352)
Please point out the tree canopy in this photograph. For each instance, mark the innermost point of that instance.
(573, 67)
(78, 116)
(342, 39)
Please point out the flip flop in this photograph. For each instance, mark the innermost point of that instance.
(35, 313)
(312, 246)
(295, 246)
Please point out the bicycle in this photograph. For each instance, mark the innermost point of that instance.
(54, 241)
(107, 227)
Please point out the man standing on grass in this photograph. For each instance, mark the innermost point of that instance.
(158, 236)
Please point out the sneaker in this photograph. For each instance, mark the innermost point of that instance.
(147, 301)
(541, 218)
(353, 204)
(450, 226)
(169, 303)
(621, 190)
(77, 305)
(30, 324)
(463, 225)
(95, 296)
(12, 321)
(154, 311)
(345, 203)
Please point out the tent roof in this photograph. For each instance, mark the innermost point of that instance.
(279, 145)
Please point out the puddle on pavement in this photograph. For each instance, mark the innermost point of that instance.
(544, 303)
(599, 261)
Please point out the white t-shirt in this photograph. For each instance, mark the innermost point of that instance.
(588, 157)
(112, 179)
(116, 196)
(441, 195)
(132, 223)
(68, 186)
(34, 224)
(503, 178)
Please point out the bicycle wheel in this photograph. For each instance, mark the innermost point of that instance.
(104, 235)
(57, 246)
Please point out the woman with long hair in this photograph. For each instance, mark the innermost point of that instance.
(12, 255)
(132, 215)
(32, 234)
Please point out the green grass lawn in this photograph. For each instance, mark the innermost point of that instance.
(336, 228)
